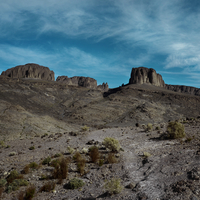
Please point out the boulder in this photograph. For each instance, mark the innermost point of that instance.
(143, 75)
(30, 70)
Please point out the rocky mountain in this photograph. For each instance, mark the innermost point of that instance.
(83, 82)
(143, 75)
(30, 70)
(50, 121)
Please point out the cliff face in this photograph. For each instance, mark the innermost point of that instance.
(82, 81)
(183, 89)
(30, 70)
(143, 75)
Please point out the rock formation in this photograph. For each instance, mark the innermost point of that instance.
(183, 89)
(82, 81)
(143, 75)
(30, 70)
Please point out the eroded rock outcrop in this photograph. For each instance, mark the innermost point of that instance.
(30, 70)
(143, 75)
(183, 89)
(82, 81)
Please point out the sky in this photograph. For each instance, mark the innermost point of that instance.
(103, 39)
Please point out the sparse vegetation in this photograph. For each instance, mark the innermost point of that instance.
(48, 187)
(175, 130)
(31, 148)
(85, 128)
(113, 186)
(94, 154)
(75, 183)
(149, 127)
(13, 175)
(16, 184)
(70, 150)
(111, 158)
(46, 161)
(13, 153)
(111, 144)
(28, 194)
(33, 165)
(2, 144)
(146, 154)
(26, 169)
(101, 162)
(2, 182)
(61, 170)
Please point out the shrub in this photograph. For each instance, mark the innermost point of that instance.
(149, 127)
(2, 144)
(111, 144)
(61, 169)
(101, 162)
(31, 148)
(113, 186)
(94, 154)
(13, 153)
(146, 154)
(46, 161)
(16, 184)
(111, 158)
(71, 150)
(30, 191)
(13, 175)
(75, 183)
(175, 130)
(26, 169)
(85, 128)
(33, 165)
(77, 156)
(84, 150)
(2, 182)
(48, 187)
(81, 166)
(57, 155)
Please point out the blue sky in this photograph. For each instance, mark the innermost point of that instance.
(103, 39)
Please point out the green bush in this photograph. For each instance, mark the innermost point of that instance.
(111, 144)
(3, 182)
(16, 184)
(46, 161)
(113, 186)
(13, 175)
(175, 130)
(149, 127)
(75, 183)
(85, 128)
(33, 165)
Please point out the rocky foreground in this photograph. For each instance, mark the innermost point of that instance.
(148, 167)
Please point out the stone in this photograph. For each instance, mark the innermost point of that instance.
(83, 82)
(30, 70)
(142, 75)
(78, 81)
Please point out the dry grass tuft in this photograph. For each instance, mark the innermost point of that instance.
(94, 154)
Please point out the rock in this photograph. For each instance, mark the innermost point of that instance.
(78, 81)
(183, 89)
(83, 82)
(143, 75)
(104, 87)
(30, 70)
